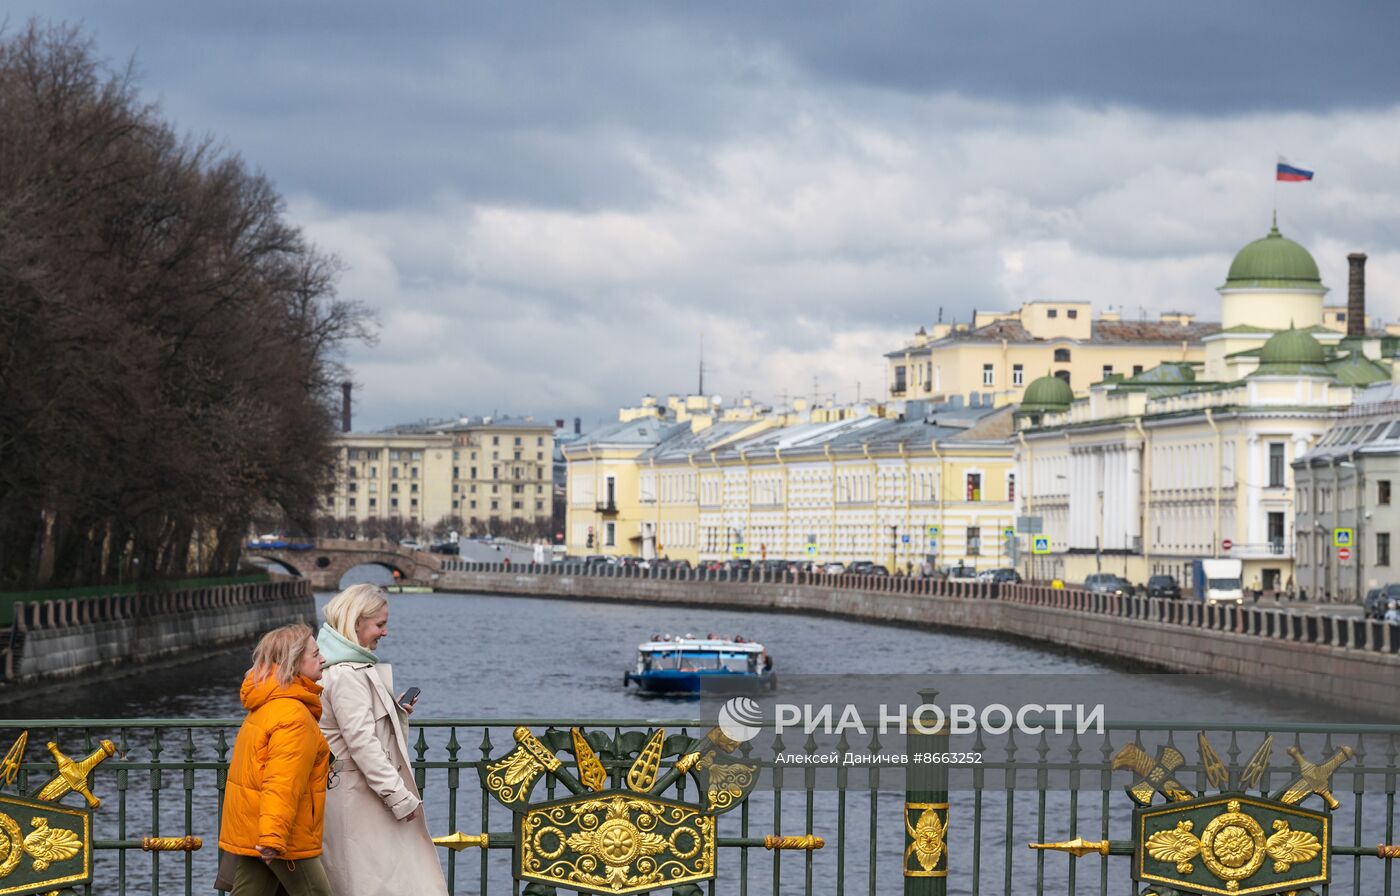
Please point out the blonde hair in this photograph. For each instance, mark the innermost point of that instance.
(351, 605)
(281, 650)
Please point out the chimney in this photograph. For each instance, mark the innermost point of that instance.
(558, 424)
(1356, 295)
(345, 388)
(578, 425)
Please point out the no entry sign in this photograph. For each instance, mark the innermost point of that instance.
(1343, 553)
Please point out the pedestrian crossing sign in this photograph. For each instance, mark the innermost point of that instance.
(811, 550)
(739, 550)
(1342, 538)
(1008, 531)
(1040, 544)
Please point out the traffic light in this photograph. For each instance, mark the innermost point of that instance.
(589, 543)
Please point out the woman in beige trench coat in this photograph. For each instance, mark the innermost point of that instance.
(376, 837)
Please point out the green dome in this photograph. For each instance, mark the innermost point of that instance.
(1273, 262)
(1292, 347)
(1049, 393)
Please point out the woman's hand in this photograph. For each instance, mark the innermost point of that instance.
(407, 707)
(267, 854)
(412, 815)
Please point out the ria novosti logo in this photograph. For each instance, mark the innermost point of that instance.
(740, 718)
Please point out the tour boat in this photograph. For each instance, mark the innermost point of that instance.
(690, 665)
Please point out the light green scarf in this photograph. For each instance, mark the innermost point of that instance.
(337, 648)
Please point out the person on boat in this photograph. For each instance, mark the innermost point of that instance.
(274, 803)
(377, 840)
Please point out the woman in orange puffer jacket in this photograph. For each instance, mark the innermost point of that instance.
(275, 801)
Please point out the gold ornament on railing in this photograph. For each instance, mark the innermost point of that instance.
(72, 776)
(459, 841)
(1078, 847)
(9, 766)
(171, 844)
(805, 841)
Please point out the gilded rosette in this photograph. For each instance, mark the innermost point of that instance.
(926, 838)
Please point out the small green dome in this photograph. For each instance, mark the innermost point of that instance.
(1274, 261)
(1292, 347)
(1049, 393)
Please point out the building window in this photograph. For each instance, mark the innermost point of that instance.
(1276, 535)
(539, 440)
(393, 472)
(374, 472)
(393, 502)
(1018, 375)
(394, 487)
(974, 541)
(1011, 486)
(974, 486)
(899, 378)
(456, 488)
(515, 505)
(1107, 371)
(473, 472)
(1061, 355)
(495, 505)
(1276, 464)
(413, 489)
(354, 486)
(1382, 548)
(456, 472)
(610, 534)
(373, 502)
(495, 440)
(352, 503)
(1072, 313)
(987, 376)
(413, 503)
(539, 505)
(1341, 319)
(1053, 313)
(1063, 374)
(1383, 491)
(473, 505)
(1137, 369)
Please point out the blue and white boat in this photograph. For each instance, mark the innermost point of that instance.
(687, 665)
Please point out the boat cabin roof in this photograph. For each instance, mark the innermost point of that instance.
(701, 645)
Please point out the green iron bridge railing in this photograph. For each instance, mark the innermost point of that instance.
(950, 813)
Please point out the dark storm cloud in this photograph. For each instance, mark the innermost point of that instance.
(549, 202)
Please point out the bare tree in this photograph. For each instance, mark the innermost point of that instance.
(169, 344)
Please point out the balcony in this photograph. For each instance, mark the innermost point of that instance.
(606, 508)
(1261, 550)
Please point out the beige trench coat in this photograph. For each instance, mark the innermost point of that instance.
(369, 850)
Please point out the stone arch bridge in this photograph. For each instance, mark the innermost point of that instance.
(324, 561)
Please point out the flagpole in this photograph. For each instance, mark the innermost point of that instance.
(1276, 164)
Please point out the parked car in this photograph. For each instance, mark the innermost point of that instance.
(1107, 583)
(1000, 575)
(1163, 586)
(834, 569)
(960, 572)
(1375, 604)
(876, 569)
(860, 567)
(776, 567)
(412, 544)
(599, 560)
(738, 564)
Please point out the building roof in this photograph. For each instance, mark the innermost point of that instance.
(1123, 332)
(1273, 261)
(645, 431)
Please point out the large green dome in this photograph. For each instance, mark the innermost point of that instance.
(1273, 262)
(1048, 393)
(1292, 347)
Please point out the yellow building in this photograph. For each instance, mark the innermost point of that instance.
(895, 486)
(992, 360)
(1191, 460)
(473, 474)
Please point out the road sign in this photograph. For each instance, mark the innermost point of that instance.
(1008, 532)
(1040, 544)
(932, 531)
(1343, 553)
(933, 544)
(739, 550)
(1031, 525)
(1226, 545)
(904, 539)
(1342, 538)
(811, 550)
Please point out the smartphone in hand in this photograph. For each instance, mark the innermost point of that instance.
(406, 701)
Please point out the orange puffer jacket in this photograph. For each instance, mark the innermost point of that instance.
(276, 793)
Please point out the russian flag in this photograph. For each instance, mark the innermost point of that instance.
(1292, 173)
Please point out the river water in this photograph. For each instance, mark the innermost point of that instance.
(492, 657)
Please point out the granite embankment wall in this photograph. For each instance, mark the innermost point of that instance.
(1346, 661)
(52, 639)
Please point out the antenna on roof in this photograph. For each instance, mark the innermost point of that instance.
(701, 390)
(940, 314)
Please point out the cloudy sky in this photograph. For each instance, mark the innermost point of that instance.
(549, 203)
